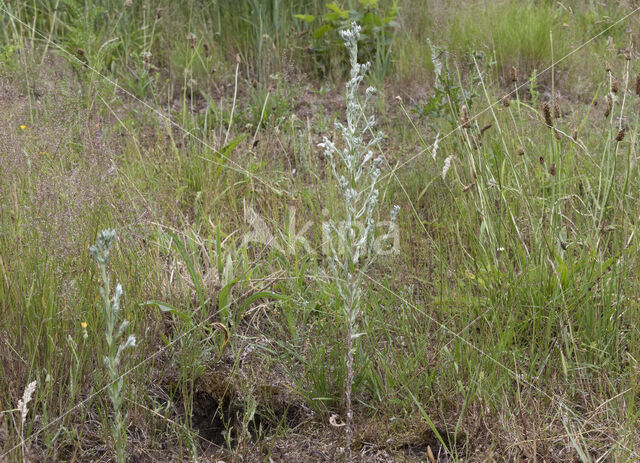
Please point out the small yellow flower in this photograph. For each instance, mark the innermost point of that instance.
(23, 127)
(83, 324)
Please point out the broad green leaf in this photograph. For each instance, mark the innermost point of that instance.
(308, 18)
(224, 300)
(322, 31)
(372, 20)
(333, 6)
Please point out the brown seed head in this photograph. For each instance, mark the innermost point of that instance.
(638, 85)
(541, 161)
(621, 133)
(485, 128)
(552, 169)
(520, 151)
(546, 112)
(191, 37)
(506, 100)
(476, 142)
(614, 84)
(609, 107)
(574, 135)
(557, 114)
(513, 74)
(558, 135)
(205, 46)
(465, 122)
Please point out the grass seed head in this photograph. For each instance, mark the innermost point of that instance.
(476, 142)
(465, 122)
(609, 107)
(638, 85)
(614, 84)
(552, 169)
(191, 38)
(485, 128)
(520, 151)
(26, 398)
(546, 112)
(621, 133)
(513, 74)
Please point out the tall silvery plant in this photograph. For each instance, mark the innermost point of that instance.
(350, 236)
(115, 345)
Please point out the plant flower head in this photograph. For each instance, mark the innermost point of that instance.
(100, 250)
(26, 398)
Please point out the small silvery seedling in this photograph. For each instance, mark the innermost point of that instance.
(110, 310)
(350, 241)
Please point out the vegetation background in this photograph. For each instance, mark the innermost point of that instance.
(504, 329)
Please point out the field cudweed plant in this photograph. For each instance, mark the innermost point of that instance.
(111, 310)
(356, 170)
